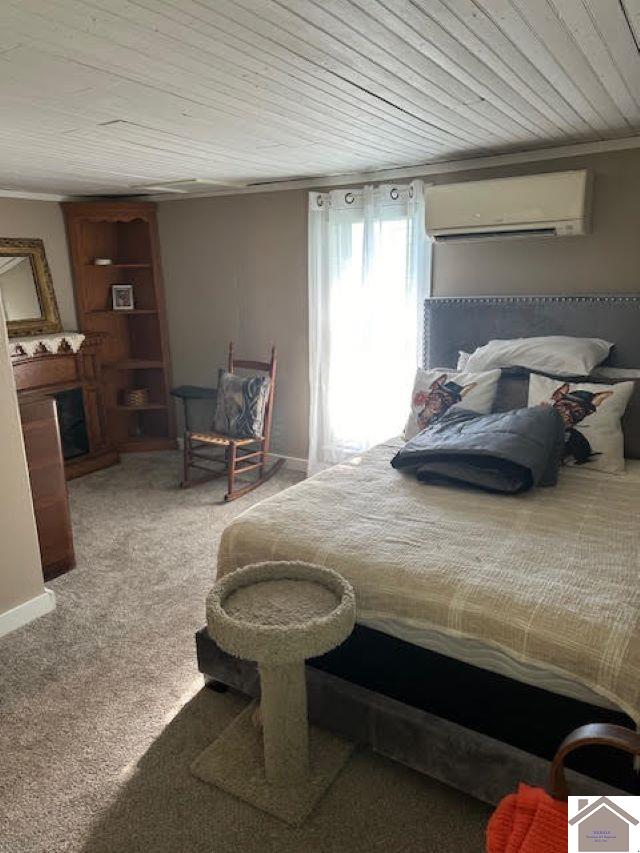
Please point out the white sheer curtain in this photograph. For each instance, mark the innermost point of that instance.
(369, 269)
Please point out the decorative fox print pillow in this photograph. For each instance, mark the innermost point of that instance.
(591, 414)
(437, 391)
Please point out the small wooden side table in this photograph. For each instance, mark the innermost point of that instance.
(192, 392)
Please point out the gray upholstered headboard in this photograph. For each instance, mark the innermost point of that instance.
(464, 323)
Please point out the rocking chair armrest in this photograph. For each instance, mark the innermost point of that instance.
(594, 734)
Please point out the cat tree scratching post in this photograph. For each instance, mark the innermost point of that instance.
(278, 614)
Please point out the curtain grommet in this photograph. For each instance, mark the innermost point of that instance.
(395, 195)
(349, 198)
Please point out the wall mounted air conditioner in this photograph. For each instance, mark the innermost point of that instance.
(551, 204)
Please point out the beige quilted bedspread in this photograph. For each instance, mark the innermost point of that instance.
(550, 577)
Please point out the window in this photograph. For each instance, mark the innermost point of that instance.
(369, 269)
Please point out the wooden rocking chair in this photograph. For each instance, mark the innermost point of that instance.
(239, 455)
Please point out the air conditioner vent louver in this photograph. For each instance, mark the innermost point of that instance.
(496, 235)
(551, 204)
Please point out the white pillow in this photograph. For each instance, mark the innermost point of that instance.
(436, 391)
(555, 355)
(463, 360)
(591, 413)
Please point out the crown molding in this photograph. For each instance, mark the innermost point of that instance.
(423, 169)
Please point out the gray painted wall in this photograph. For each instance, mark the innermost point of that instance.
(607, 260)
(24, 218)
(20, 568)
(236, 266)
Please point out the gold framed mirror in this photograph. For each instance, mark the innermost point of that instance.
(26, 289)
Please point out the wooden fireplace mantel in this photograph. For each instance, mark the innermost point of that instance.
(46, 374)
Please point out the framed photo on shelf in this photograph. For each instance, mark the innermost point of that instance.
(122, 296)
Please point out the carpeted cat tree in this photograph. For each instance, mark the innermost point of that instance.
(278, 614)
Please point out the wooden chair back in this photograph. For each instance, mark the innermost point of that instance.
(240, 456)
(593, 734)
(268, 367)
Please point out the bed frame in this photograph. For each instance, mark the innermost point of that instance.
(413, 705)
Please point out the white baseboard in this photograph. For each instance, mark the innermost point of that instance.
(293, 463)
(27, 612)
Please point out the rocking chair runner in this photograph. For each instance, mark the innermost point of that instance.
(236, 451)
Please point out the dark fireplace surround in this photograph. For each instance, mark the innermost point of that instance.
(72, 423)
(74, 380)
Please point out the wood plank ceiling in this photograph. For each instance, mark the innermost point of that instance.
(98, 96)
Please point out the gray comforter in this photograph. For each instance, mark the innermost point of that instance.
(505, 452)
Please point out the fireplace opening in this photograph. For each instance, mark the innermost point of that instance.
(73, 426)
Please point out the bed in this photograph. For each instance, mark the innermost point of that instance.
(488, 626)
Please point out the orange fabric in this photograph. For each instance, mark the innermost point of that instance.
(500, 823)
(528, 822)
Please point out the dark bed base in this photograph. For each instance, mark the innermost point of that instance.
(470, 728)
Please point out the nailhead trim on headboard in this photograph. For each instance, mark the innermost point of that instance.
(496, 300)
(436, 301)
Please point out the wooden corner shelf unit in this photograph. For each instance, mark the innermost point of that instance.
(135, 349)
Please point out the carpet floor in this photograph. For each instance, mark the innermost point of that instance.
(102, 709)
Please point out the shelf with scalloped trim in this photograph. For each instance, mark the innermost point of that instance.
(135, 351)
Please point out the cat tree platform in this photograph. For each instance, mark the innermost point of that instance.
(278, 614)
